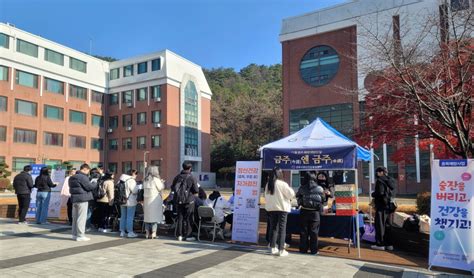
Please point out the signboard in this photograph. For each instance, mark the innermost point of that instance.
(452, 208)
(301, 159)
(246, 198)
(57, 176)
(35, 172)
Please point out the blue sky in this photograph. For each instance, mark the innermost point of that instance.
(211, 33)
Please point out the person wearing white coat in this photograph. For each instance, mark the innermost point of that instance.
(152, 201)
(127, 211)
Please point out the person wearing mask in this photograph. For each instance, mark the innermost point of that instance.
(322, 180)
(220, 206)
(81, 189)
(384, 187)
(23, 183)
(105, 203)
(66, 196)
(44, 184)
(152, 201)
(278, 195)
(310, 197)
(184, 188)
(127, 211)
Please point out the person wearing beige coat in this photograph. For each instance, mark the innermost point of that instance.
(152, 201)
(104, 205)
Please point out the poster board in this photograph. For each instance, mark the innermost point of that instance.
(36, 168)
(57, 176)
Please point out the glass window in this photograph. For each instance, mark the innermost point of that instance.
(141, 118)
(53, 112)
(127, 143)
(77, 117)
(97, 120)
(77, 92)
(156, 163)
(53, 139)
(191, 120)
(26, 79)
(97, 97)
(113, 144)
(26, 48)
(459, 5)
(156, 92)
(53, 57)
(156, 116)
(3, 73)
(27, 108)
(140, 167)
(52, 162)
(319, 65)
(128, 70)
(141, 142)
(127, 97)
(76, 163)
(19, 163)
(113, 99)
(24, 136)
(142, 94)
(155, 141)
(142, 67)
(114, 74)
(53, 86)
(127, 120)
(156, 64)
(77, 141)
(113, 167)
(3, 133)
(97, 144)
(126, 166)
(3, 104)
(113, 122)
(78, 65)
(4, 40)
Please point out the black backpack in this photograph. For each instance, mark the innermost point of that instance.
(100, 191)
(120, 193)
(181, 191)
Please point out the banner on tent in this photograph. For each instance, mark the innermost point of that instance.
(452, 208)
(302, 159)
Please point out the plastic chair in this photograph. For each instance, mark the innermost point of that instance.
(208, 221)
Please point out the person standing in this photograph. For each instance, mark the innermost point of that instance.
(184, 188)
(23, 183)
(105, 203)
(310, 198)
(44, 184)
(127, 211)
(66, 196)
(322, 180)
(278, 195)
(152, 201)
(384, 187)
(81, 193)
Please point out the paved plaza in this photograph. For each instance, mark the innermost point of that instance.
(48, 251)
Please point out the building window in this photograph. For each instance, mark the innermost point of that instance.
(78, 65)
(53, 86)
(127, 143)
(27, 108)
(459, 5)
(3, 133)
(97, 120)
(52, 162)
(112, 167)
(156, 64)
(76, 163)
(26, 79)
(53, 112)
(141, 118)
(142, 67)
(114, 99)
(3, 73)
(54, 57)
(3, 104)
(156, 117)
(53, 139)
(140, 167)
(27, 48)
(319, 65)
(77, 141)
(156, 92)
(19, 163)
(114, 74)
(127, 120)
(128, 70)
(126, 167)
(97, 97)
(77, 92)
(141, 142)
(190, 120)
(24, 136)
(141, 94)
(77, 117)
(156, 163)
(155, 141)
(113, 122)
(113, 144)
(127, 97)
(4, 40)
(97, 144)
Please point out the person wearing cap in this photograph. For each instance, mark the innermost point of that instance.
(384, 187)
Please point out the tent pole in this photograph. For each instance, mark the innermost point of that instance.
(357, 215)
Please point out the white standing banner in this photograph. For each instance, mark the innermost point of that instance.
(452, 208)
(57, 176)
(246, 201)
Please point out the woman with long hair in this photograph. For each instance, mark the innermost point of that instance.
(278, 195)
(44, 184)
(152, 201)
(104, 204)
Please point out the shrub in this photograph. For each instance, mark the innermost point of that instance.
(423, 203)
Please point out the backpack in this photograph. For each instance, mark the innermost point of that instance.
(120, 193)
(181, 191)
(100, 191)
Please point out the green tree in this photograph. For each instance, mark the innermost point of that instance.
(105, 58)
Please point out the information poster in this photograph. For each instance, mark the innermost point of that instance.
(246, 201)
(452, 208)
(57, 176)
(36, 168)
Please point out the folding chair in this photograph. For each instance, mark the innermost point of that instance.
(208, 221)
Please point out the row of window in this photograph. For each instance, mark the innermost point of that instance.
(141, 95)
(52, 56)
(127, 166)
(20, 162)
(141, 68)
(127, 120)
(127, 143)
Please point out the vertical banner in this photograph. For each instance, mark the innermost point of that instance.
(58, 175)
(452, 208)
(246, 198)
(36, 168)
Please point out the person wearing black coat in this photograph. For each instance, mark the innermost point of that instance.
(322, 180)
(81, 189)
(23, 183)
(310, 197)
(384, 187)
(44, 184)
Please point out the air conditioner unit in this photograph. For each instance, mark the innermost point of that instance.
(157, 125)
(157, 99)
(110, 130)
(129, 104)
(128, 128)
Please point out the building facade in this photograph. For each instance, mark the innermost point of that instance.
(58, 104)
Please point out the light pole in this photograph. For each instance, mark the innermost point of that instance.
(144, 163)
